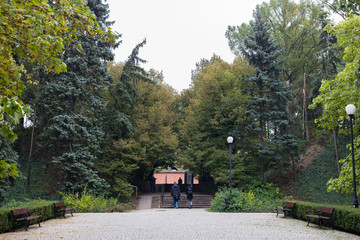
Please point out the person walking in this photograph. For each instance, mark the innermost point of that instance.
(179, 181)
(189, 195)
(152, 180)
(175, 193)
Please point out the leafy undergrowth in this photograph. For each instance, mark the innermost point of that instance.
(259, 197)
(312, 183)
(87, 202)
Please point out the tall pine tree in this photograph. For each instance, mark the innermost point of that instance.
(270, 96)
(121, 152)
(70, 110)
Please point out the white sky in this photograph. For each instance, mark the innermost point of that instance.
(179, 33)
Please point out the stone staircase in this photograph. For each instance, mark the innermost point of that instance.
(199, 201)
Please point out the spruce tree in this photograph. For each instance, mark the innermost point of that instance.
(270, 96)
(121, 153)
(70, 110)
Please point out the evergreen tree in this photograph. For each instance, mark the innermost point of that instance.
(121, 96)
(270, 95)
(121, 153)
(70, 110)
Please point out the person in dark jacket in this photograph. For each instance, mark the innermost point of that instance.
(179, 181)
(189, 195)
(175, 193)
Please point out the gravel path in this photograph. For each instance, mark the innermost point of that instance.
(176, 224)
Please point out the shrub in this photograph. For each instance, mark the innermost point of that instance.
(345, 217)
(6, 220)
(87, 202)
(259, 197)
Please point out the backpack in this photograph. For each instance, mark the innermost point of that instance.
(189, 190)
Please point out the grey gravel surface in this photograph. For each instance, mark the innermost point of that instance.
(176, 224)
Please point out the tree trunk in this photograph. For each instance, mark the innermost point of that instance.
(305, 115)
(29, 165)
(261, 125)
(261, 157)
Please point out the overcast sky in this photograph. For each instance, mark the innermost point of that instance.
(179, 33)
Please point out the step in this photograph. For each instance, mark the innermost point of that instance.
(199, 201)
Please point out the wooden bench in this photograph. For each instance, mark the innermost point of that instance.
(60, 207)
(22, 215)
(286, 208)
(323, 213)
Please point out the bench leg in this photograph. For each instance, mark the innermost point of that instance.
(308, 221)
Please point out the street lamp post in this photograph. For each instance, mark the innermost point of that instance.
(350, 110)
(230, 140)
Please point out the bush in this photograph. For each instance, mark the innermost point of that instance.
(259, 197)
(46, 209)
(87, 202)
(345, 217)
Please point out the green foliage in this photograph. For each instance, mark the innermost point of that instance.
(298, 28)
(70, 108)
(8, 167)
(125, 148)
(87, 202)
(36, 32)
(345, 217)
(45, 208)
(11, 111)
(312, 183)
(153, 119)
(258, 197)
(8, 170)
(213, 108)
(268, 115)
(345, 8)
(336, 93)
(120, 160)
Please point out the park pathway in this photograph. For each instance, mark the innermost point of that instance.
(158, 223)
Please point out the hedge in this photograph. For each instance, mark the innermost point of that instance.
(345, 217)
(46, 208)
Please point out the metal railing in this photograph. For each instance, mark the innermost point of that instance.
(136, 189)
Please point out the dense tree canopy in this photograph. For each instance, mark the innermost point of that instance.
(336, 93)
(105, 126)
(269, 95)
(70, 106)
(216, 107)
(35, 32)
